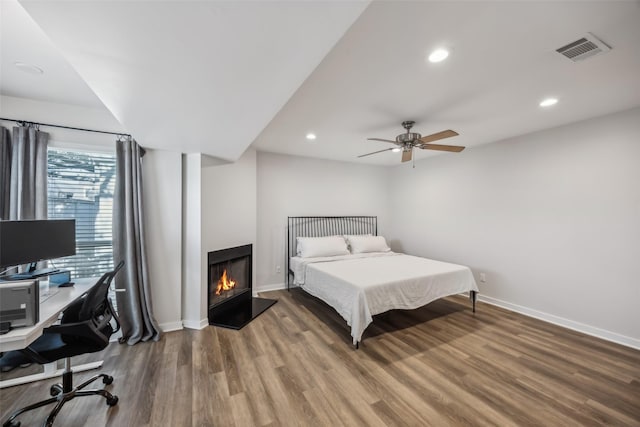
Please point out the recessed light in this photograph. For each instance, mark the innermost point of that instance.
(396, 150)
(28, 68)
(438, 55)
(311, 136)
(548, 102)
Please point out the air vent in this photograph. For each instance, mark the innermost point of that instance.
(583, 48)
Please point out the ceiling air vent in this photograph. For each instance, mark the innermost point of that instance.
(583, 48)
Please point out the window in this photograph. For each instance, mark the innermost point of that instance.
(80, 186)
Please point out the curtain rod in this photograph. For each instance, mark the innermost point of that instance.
(22, 122)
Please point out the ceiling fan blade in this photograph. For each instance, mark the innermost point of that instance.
(406, 155)
(439, 147)
(375, 152)
(440, 135)
(383, 140)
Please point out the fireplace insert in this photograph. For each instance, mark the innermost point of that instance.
(230, 300)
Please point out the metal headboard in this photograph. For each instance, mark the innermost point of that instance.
(320, 226)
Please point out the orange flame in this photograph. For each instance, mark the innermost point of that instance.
(224, 284)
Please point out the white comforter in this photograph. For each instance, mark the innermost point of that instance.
(360, 286)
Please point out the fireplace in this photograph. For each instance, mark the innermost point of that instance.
(229, 292)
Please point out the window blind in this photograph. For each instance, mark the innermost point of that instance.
(80, 186)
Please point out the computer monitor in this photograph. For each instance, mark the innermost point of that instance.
(27, 242)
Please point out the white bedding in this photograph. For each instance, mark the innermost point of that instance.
(362, 285)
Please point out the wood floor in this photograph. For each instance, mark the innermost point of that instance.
(294, 365)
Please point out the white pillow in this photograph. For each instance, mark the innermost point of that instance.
(349, 236)
(308, 247)
(361, 244)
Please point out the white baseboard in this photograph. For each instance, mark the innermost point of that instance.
(171, 326)
(269, 287)
(194, 324)
(566, 323)
(116, 337)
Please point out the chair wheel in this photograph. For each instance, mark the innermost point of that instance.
(108, 379)
(112, 401)
(55, 390)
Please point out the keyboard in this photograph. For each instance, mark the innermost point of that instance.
(34, 274)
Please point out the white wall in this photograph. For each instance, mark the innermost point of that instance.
(219, 211)
(228, 207)
(162, 172)
(64, 115)
(229, 203)
(552, 218)
(193, 311)
(297, 186)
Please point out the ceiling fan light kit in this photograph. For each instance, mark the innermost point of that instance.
(405, 142)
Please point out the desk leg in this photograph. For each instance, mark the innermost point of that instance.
(50, 371)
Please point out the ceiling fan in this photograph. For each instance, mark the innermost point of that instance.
(407, 141)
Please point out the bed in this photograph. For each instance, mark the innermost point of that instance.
(358, 283)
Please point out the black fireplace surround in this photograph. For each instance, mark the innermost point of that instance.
(229, 288)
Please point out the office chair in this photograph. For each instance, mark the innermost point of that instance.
(85, 327)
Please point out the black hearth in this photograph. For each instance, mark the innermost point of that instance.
(230, 300)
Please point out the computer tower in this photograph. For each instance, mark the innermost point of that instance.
(20, 302)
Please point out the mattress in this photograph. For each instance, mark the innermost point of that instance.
(363, 285)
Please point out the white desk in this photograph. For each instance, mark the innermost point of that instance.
(50, 310)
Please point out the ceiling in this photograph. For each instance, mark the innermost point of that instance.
(502, 64)
(194, 76)
(21, 40)
(215, 77)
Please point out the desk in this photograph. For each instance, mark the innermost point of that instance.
(50, 310)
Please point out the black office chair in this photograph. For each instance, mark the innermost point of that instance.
(85, 327)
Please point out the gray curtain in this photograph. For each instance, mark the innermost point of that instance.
(28, 183)
(5, 172)
(134, 305)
